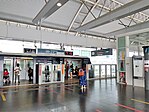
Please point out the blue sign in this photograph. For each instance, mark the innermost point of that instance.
(51, 51)
(146, 50)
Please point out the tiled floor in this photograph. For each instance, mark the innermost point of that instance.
(100, 96)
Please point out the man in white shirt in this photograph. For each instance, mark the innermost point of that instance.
(17, 70)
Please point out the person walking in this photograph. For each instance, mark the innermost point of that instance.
(17, 70)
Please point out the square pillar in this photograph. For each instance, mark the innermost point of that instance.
(122, 53)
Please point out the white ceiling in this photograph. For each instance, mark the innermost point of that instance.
(64, 16)
(24, 8)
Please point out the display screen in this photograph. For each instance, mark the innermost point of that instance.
(28, 50)
(68, 53)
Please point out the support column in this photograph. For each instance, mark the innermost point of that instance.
(146, 66)
(122, 53)
(1, 70)
(34, 71)
(139, 50)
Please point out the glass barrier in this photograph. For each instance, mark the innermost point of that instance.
(113, 71)
(101, 71)
(108, 67)
(96, 68)
(50, 73)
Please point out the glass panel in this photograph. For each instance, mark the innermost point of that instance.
(85, 53)
(23, 69)
(8, 65)
(102, 71)
(96, 71)
(46, 73)
(108, 70)
(91, 72)
(76, 52)
(56, 72)
(113, 71)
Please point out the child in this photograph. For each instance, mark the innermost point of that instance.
(83, 81)
(6, 76)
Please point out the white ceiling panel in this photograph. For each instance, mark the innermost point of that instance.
(65, 14)
(25, 8)
(108, 27)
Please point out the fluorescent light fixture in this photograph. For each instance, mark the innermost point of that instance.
(50, 7)
(59, 4)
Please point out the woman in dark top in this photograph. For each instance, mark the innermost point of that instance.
(30, 73)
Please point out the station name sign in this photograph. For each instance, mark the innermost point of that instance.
(102, 52)
(50, 51)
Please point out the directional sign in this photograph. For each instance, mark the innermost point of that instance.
(101, 52)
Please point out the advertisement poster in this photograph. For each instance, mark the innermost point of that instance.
(122, 55)
(146, 65)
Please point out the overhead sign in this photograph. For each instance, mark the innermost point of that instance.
(146, 49)
(53, 60)
(50, 51)
(68, 53)
(102, 52)
(28, 50)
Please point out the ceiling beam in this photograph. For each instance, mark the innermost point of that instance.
(90, 11)
(45, 24)
(121, 12)
(50, 7)
(139, 41)
(134, 29)
(77, 13)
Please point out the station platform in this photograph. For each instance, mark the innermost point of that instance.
(99, 96)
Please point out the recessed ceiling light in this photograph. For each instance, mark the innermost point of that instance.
(59, 4)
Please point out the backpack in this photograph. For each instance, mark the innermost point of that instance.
(81, 72)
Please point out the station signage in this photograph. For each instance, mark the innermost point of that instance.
(68, 53)
(53, 60)
(50, 51)
(102, 52)
(28, 50)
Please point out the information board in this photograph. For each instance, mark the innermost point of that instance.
(51, 51)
